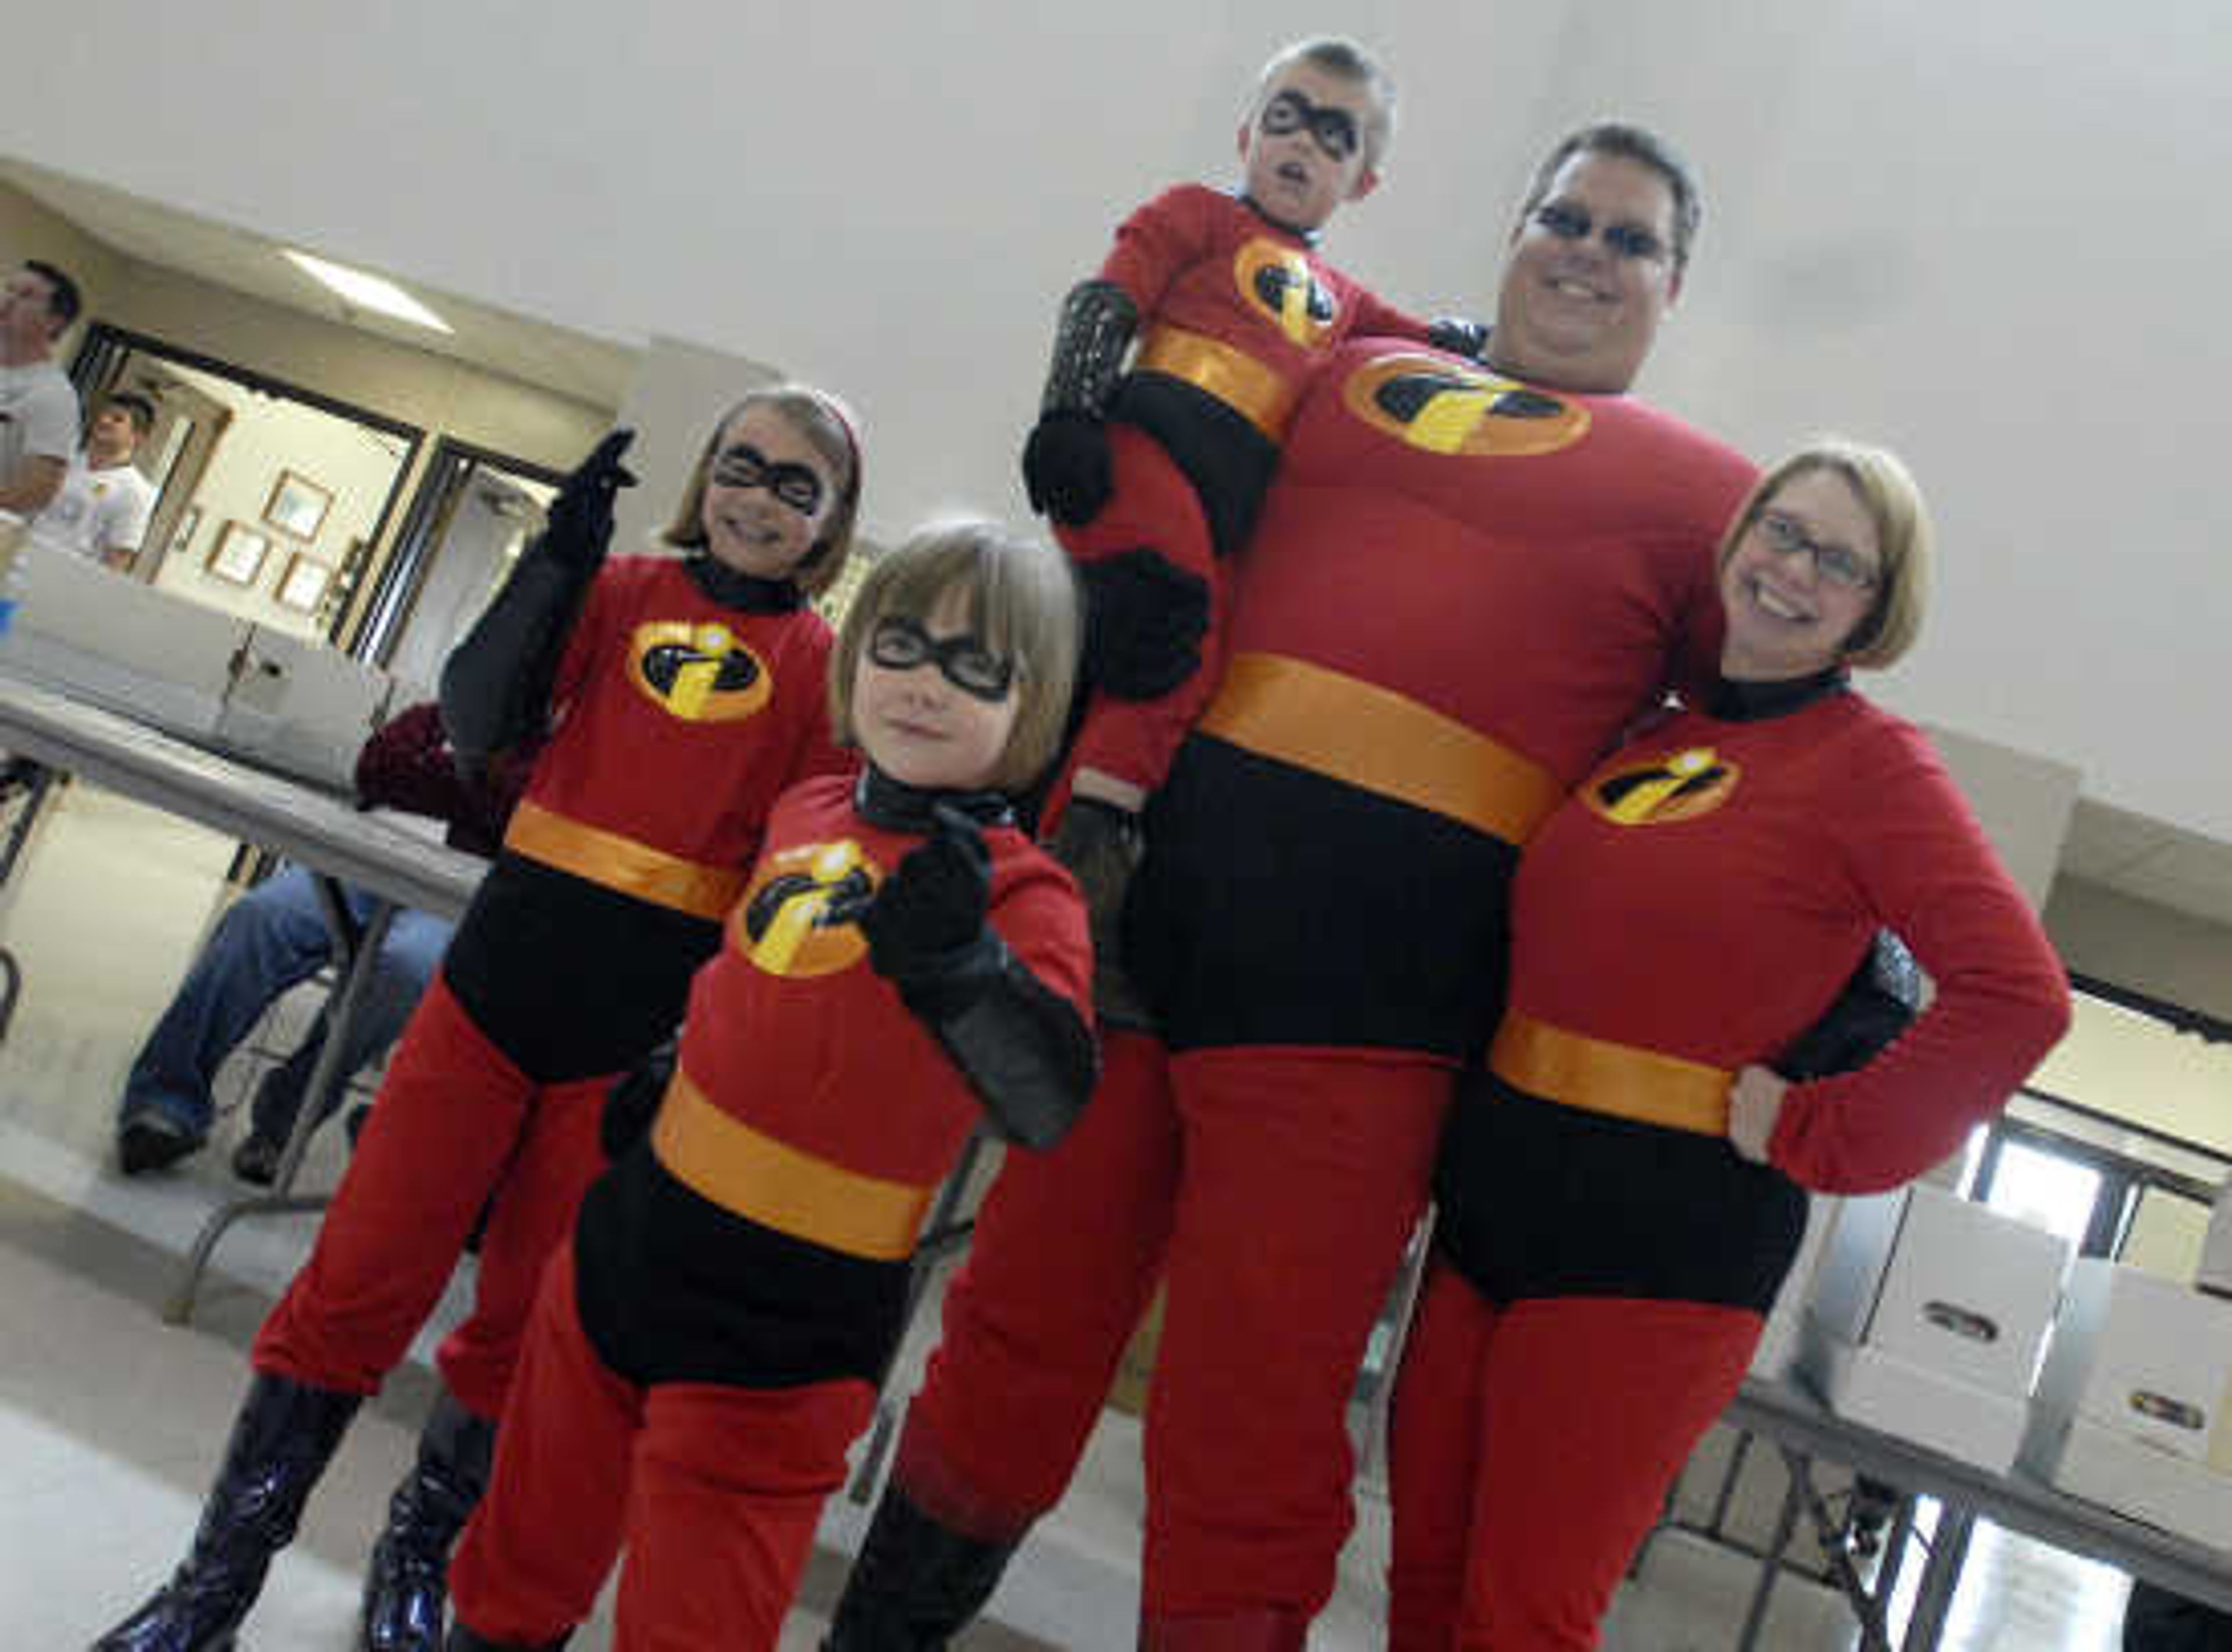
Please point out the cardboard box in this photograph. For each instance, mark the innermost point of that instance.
(2145, 1357)
(2111, 1468)
(302, 708)
(1867, 1384)
(1944, 1284)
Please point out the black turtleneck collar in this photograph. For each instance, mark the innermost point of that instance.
(747, 592)
(1308, 237)
(1734, 702)
(897, 806)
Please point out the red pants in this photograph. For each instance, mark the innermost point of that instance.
(715, 1491)
(455, 1123)
(1275, 1190)
(1155, 508)
(1531, 1447)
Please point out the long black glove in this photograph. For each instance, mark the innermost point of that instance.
(495, 684)
(1025, 1049)
(1145, 620)
(633, 1102)
(1878, 1003)
(1066, 469)
(1460, 335)
(1066, 466)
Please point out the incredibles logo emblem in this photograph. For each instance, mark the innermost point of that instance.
(795, 917)
(1278, 280)
(1429, 404)
(699, 673)
(1679, 786)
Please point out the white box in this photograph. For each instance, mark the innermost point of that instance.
(1973, 1425)
(2214, 1272)
(1942, 1283)
(301, 708)
(2146, 1357)
(2103, 1466)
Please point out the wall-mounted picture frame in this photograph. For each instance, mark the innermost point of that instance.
(183, 530)
(303, 583)
(298, 506)
(239, 553)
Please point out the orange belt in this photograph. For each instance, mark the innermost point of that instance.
(782, 1187)
(1616, 1078)
(1334, 724)
(622, 864)
(1233, 376)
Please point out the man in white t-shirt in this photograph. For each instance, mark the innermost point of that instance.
(38, 409)
(102, 509)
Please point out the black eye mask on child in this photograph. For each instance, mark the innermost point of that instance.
(1332, 130)
(743, 465)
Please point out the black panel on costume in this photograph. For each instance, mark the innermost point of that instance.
(674, 1289)
(1541, 1200)
(569, 978)
(1229, 461)
(1277, 921)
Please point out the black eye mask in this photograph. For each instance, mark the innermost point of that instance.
(1333, 131)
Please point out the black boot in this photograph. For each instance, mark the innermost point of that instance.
(463, 1640)
(406, 1588)
(283, 1438)
(915, 1583)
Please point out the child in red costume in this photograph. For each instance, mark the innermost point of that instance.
(903, 961)
(1152, 476)
(684, 695)
(1621, 1190)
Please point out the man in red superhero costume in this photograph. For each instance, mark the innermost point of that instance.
(1462, 586)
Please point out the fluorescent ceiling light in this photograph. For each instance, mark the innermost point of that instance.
(369, 292)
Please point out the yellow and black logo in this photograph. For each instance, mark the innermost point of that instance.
(1680, 785)
(1278, 281)
(699, 673)
(1432, 404)
(796, 917)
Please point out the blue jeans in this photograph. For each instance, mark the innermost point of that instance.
(270, 939)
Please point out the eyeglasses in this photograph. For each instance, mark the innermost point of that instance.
(1333, 130)
(745, 466)
(1570, 222)
(900, 645)
(1838, 564)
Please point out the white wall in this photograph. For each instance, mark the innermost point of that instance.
(1986, 233)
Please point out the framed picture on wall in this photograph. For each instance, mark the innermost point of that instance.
(239, 553)
(304, 583)
(183, 531)
(298, 505)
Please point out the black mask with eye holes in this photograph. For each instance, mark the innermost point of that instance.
(1333, 131)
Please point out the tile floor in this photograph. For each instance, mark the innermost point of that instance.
(110, 1420)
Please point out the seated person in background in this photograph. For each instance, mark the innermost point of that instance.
(275, 937)
(102, 509)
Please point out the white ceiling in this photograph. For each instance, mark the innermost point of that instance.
(1986, 233)
(563, 359)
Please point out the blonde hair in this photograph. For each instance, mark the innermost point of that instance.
(1887, 491)
(1022, 603)
(828, 426)
(1344, 59)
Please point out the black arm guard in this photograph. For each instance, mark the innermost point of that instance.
(1460, 335)
(495, 684)
(1098, 321)
(1878, 1003)
(1024, 1048)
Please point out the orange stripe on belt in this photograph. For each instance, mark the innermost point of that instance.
(1337, 725)
(783, 1187)
(1619, 1079)
(1233, 376)
(620, 862)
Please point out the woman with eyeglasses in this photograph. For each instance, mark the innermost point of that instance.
(1623, 1184)
(682, 696)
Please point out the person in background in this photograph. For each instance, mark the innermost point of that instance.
(905, 963)
(680, 698)
(38, 408)
(102, 510)
(1622, 1185)
(276, 937)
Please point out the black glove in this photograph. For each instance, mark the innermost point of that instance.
(1066, 466)
(633, 1102)
(1144, 619)
(925, 928)
(580, 525)
(1878, 1004)
(1460, 335)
